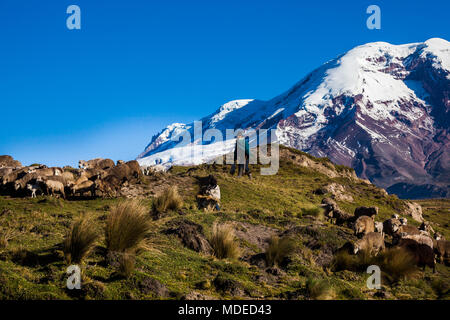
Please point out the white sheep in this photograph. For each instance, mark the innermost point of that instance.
(419, 238)
(33, 188)
(148, 170)
(379, 227)
(54, 187)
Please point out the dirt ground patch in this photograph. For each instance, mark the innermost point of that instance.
(255, 235)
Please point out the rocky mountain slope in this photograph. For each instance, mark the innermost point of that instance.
(382, 109)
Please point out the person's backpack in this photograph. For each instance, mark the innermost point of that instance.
(247, 147)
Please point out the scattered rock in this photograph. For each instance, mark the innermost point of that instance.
(325, 256)
(258, 260)
(191, 235)
(414, 210)
(151, 285)
(301, 231)
(204, 285)
(303, 160)
(382, 293)
(93, 289)
(257, 235)
(292, 295)
(347, 275)
(193, 295)
(228, 286)
(264, 278)
(275, 271)
(338, 191)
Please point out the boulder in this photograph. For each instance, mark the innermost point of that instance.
(414, 210)
(338, 191)
(228, 286)
(151, 285)
(191, 235)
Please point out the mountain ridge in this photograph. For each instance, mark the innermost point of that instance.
(382, 109)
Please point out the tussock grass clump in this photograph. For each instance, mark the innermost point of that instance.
(313, 211)
(345, 261)
(223, 242)
(395, 263)
(319, 289)
(126, 226)
(127, 262)
(80, 240)
(126, 229)
(279, 249)
(123, 262)
(442, 288)
(170, 199)
(6, 235)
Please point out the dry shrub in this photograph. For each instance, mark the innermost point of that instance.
(170, 199)
(126, 229)
(319, 289)
(80, 240)
(223, 242)
(279, 249)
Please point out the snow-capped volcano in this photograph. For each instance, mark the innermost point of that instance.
(382, 109)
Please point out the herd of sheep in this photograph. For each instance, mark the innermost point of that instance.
(97, 177)
(104, 178)
(425, 245)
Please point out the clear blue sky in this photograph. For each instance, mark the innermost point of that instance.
(137, 66)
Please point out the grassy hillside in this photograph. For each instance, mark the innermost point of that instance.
(32, 264)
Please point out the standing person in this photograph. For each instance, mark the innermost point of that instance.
(241, 155)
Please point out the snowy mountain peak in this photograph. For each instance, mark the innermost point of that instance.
(439, 51)
(229, 107)
(164, 136)
(383, 109)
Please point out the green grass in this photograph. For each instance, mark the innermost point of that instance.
(32, 265)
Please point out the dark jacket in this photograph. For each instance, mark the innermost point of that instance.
(242, 144)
